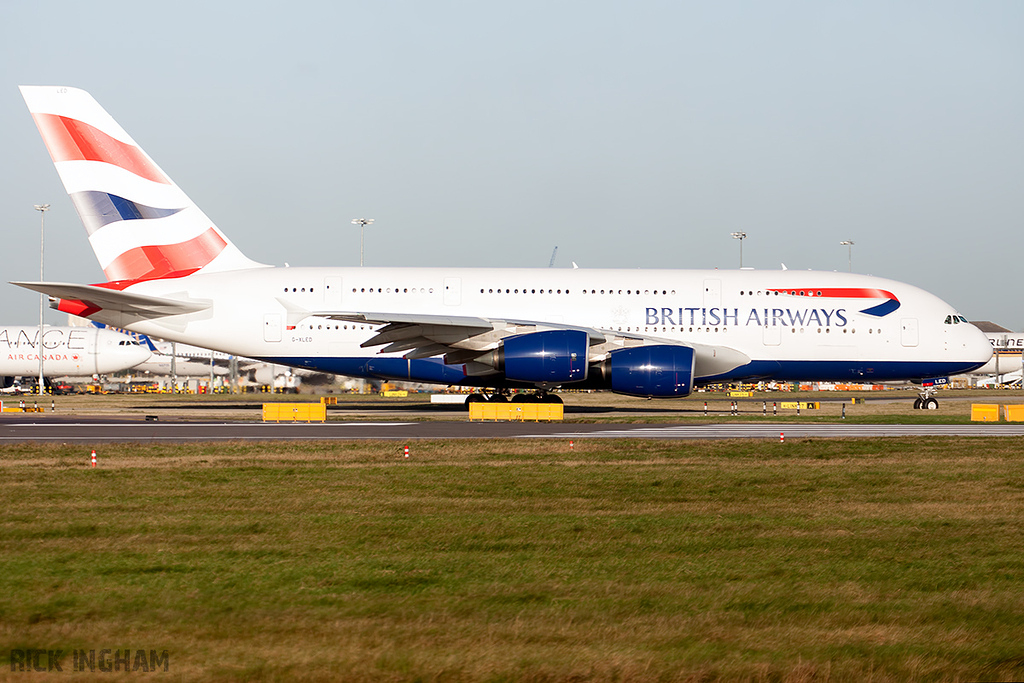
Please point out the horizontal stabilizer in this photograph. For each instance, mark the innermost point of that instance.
(115, 300)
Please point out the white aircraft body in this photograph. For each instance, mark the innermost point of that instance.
(67, 351)
(652, 333)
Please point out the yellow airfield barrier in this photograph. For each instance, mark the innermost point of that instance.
(740, 394)
(295, 412)
(394, 393)
(329, 400)
(1014, 413)
(22, 408)
(516, 412)
(985, 412)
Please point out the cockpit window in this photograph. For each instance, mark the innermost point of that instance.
(949, 320)
(962, 319)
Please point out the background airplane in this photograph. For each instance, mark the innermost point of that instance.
(659, 333)
(67, 352)
(1008, 354)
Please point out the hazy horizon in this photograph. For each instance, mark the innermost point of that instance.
(634, 136)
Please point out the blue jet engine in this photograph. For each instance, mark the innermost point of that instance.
(551, 357)
(652, 371)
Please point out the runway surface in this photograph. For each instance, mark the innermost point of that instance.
(104, 430)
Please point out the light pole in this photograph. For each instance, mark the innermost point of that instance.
(740, 236)
(849, 247)
(42, 209)
(362, 223)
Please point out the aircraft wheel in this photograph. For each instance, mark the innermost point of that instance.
(498, 398)
(476, 398)
(522, 398)
(917, 404)
(551, 398)
(930, 404)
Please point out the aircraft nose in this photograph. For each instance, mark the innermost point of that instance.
(977, 344)
(140, 354)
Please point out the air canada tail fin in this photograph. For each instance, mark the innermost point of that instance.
(140, 224)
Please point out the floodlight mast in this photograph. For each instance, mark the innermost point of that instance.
(849, 247)
(362, 223)
(740, 236)
(42, 209)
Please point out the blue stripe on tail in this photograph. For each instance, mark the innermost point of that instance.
(97, 209)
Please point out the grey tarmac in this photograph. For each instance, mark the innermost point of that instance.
(24, 429)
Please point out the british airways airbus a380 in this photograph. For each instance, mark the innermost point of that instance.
(652, 333)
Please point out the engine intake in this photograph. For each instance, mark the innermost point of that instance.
(551, 357)
(652, 371)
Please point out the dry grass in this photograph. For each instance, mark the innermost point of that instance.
(522, 561)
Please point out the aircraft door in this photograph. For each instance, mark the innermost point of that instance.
(272, 327)
(772, 335)
(908, 331)
(452, 291)
(332, 292)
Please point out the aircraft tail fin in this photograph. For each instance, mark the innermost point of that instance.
(141, 225)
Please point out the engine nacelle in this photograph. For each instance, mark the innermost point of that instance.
(551, 357)
(652, 371)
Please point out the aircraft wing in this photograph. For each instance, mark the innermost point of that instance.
(461, 339)
(103, 298)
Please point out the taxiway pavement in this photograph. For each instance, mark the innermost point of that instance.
(26, 429)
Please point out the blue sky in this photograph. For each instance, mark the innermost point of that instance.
(630, 135)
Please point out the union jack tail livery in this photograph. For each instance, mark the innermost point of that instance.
(141, 225)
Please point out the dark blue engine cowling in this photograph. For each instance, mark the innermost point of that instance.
(554, 356)
(658, 371)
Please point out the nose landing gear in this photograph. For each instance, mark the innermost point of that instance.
(927, 400)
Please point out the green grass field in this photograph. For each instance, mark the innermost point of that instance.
(510, 561)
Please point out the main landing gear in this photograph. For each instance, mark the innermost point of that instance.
(538, 397)
(498, 397)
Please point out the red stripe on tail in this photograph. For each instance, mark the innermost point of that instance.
(71, 140)
(154, 262)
